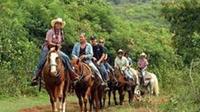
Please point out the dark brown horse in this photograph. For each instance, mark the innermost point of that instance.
(113, 86)
(124, 85)
(85, 88)
(56, 80)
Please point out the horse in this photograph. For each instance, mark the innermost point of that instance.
(56, 80)
(124, 85)
(151, 83)
(85, 88)
(113, 86)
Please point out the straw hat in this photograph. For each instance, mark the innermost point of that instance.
(143, 54)
(120, 51)
(58, 20)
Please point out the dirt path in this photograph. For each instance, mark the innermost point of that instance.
(147, 105)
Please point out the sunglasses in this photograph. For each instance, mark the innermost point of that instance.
(101, 42)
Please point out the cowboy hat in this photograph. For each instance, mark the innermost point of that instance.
(120, 51)
(143, 54)
(58, 20)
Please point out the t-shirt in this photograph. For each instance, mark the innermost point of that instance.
(98, 51)
(82, 51)
(121, 63)
(51, 36)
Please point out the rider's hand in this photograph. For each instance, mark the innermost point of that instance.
(52, 49)
(98, 62)
(82, 57)
(94, 59)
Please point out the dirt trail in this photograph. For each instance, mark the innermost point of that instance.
(147, 105)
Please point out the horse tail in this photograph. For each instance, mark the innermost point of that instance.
(156, 86)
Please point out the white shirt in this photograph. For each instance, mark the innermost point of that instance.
(121, 63)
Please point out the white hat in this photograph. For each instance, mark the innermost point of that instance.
(143, 54)
(58, 20)
(120, 51)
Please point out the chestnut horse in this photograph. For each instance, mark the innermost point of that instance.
(56, 80)
(124, 85)
(85, 86)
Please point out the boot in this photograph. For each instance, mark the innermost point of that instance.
(34, 80)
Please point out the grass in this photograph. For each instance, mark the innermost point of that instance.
(41, 104)
(15, 104)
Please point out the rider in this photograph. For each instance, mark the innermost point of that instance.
(142, 64)
(108, 67)
(83, 50)
(54, 38)
(98, 57)
(126, 54)
(122, 63)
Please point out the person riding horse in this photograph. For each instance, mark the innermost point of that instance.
(108, 67)
(83, 50)
(142, 65)
(122, 63)
(98, 57)
(54, 38)
(126, 54)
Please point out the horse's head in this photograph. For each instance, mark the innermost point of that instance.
(54, 61)
(76, 65)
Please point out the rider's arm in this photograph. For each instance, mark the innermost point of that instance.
(89, 53)
(115, 63)
(102, 58)
(106, 57)
(74, 50)
(103, 50)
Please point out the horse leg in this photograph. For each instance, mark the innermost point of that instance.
(52, 103)
(121, 95)
(53, 100)
(109, 94)
(151, 87)
(59, 95)
(64, 97)
(114, 96)
(104, 98)
(130, 96)
(87, 94)
(96, 101)
(91, 100)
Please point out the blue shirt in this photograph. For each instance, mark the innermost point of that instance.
(88, 52)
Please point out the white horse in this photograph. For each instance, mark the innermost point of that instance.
(151, 82)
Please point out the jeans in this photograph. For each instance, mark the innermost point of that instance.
(128, 74)
(42, 59)
(94, 68)
(108, 67)
(103, 71)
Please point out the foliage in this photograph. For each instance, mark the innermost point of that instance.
(184, 18)
(167, 32)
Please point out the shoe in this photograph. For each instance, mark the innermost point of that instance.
(34, 81)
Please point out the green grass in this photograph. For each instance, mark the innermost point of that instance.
(42, 100)
(15, 104)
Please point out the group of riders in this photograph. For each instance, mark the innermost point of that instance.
(94, 54)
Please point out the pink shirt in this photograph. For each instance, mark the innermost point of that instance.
(51, 36)
(142, 63)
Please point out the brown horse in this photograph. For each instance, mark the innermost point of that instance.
(124, 85)
(113, 86)
(56, 80)
(85, 88)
